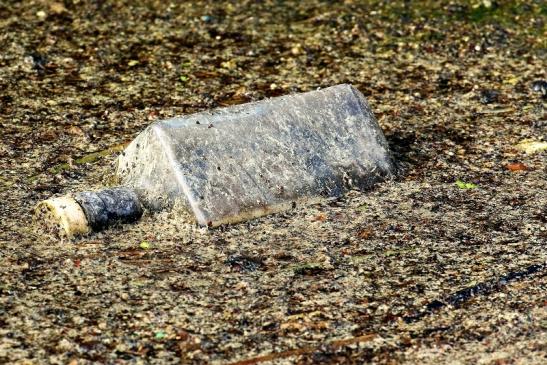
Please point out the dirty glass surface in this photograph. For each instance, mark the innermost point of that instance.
(235, 163)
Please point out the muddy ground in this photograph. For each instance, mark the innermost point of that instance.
(444, 264)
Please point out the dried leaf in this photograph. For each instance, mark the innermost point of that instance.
(365, 233)
(321, 217)
(516, 166)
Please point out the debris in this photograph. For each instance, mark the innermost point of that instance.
(511, 80)
(487, 3)
(244, 263)
(310, 268)
(75, 131)
(57, 8)
(306, 350)
(62, 216)
(464, 185)
(489, 96)
(530, 147)
(540, 86)
(72, 216)
(89, 158)
(365, 233)
(516, 166)
(39, 62)
(145, 245)
(486, 288)
(321, 217)
(160, 335)
(497, 111)
(302, 148)
(229, 65)
(295, 156)
(206, 18)
(109, 206)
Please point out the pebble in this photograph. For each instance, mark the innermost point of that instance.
(489, 96)
(244, 263)
(57, 8)
(540, 86)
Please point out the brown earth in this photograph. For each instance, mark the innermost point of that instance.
(445, 264)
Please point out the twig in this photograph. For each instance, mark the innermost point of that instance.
(303, 350)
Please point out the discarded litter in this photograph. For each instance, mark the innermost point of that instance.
(236, 163)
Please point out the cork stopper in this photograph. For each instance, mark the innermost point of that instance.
(62, 216)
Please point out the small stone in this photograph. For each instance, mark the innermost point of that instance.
(207, 18)
(443, 81)
(244, 262)
(41, 14)
(78, 320)
(74, 130)
(242, 285)
(296, 50)
(64, 345)
(489, 96)
(540, 86)
(229, 65)
(57, 8)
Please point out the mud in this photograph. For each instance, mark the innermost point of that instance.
(328, 283)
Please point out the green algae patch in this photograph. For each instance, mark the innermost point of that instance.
(89, 158)
(465, 185)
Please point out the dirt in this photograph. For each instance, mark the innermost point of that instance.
(446, 263)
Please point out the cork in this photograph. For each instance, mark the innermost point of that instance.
(62, 216)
